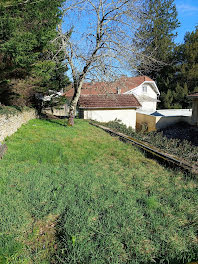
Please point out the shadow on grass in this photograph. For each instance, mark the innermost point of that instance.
(61, 121)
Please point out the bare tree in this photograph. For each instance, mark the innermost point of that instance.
(96, 38)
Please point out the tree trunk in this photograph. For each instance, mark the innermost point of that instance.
(72, 111)
(74, 102)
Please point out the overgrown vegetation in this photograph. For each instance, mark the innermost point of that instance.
(12, 110)
(180, 148)
(77, 195)
(27, 64)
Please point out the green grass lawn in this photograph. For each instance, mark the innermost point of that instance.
(77, 195)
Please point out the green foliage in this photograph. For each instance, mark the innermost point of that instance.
(56, 101)
(26, 50)
(167, 98)
(44, 70)
(175, 68)
(188, 60)
(180, 148)
(12, 110)
(182, 76)
(112, 204)
(155, 36)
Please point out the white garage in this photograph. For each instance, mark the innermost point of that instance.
(105, 108)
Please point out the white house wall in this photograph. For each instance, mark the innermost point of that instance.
(148, 106)
(127, 116)
(139, 91)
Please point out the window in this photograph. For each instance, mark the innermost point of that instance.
(144, 89)
(118, 90)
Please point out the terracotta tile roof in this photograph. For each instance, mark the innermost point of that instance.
(124, 83)
(108, 101)
(194, 95)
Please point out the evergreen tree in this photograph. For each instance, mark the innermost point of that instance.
(188, 60)
(26, 51)
(155, 36)
(183, 76)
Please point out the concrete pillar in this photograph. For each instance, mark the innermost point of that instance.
(195, 111)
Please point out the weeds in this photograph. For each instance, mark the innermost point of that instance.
(181, 148)
(11, 110)
(77, 195)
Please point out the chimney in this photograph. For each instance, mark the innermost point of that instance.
(118, 90)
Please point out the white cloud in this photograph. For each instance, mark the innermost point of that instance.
(187, 9)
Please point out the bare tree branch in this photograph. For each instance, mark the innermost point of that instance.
(100, 43)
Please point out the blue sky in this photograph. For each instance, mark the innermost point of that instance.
(188, 17)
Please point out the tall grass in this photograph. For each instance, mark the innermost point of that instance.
(77, 195)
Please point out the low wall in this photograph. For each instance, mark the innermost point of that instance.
(57, 111)
(62, 111)
(9, 125)
(152, 123)
(143, 120)
(166, 121)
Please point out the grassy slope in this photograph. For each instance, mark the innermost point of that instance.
(110, 204)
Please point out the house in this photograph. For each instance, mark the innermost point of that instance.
(145, 90)
(142, 87)
(194, 98)
(106, 107)
(119, 99)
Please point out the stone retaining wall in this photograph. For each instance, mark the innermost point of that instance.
(9, 125)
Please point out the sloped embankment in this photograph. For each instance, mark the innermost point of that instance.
(100, 200)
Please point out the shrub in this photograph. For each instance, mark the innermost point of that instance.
(12, 110)
(181, 148)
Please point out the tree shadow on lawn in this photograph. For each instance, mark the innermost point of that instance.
(54, 119)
